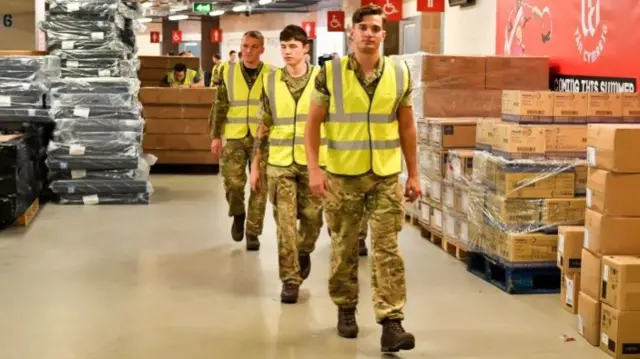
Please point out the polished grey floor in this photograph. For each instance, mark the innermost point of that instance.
(166, 281)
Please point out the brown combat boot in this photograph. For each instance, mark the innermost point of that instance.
(237, 229)
(305, 265)
(362, 248)
(253, 243)
(347, 325)
(289, 294)
(394, 338)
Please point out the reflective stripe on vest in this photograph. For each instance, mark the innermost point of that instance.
(286, 137)
(244, 102)
(189, 76)
(362, 133)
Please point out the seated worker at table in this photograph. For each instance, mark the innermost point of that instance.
(183, 77)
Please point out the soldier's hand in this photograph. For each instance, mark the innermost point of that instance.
(216, 147)
(254, 180)
(412, 189)
(317, 182)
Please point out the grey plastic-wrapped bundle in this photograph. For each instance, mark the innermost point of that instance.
(415, 63)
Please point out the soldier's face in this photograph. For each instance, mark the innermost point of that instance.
(368, 34)
(251, 50)
(180, 75)
(293, 52)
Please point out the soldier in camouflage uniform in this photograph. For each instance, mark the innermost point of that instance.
(364, 100)
(285, 103)
(239, 86)
(362, 237)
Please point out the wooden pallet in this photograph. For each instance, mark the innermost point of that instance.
(514, 280)
(455, 249)
(29, 215)
(414, 221)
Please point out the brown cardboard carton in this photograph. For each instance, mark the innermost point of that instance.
(448, 133)
(168, 62)
(631, 107)
(185, 157)
(619, 333)
(604, 107)
(591, 273)
(176, 126)
(176, 111)
(517, 73)
(459, 165)
(425, 213)
(454, 72)
(566, 141)
(570, 107)
(533, 107)
(515, 141)
(151, 74)
(437, 162)
(436, 221)
(582, 174)
(528, 247)
(178, 96)
(613, 193)
(513, 212)
(435, 191)
(589, 310)
(535, 184)
(609, 235)
(569, 289)
(570, 241)
(448, 195)
(461, 199)
(439, 102)
(559, 211)
(177, 142)
(484, 136)
(621, 282)
(614, 147)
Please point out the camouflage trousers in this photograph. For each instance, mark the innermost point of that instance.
(292, 200)
(347, 201)
(234, 162)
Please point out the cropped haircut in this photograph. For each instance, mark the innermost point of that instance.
(180, 67)
(256, 35)
(368, 10)
(295, 33)
(232, 52)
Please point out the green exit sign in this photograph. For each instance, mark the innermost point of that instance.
(203, 7)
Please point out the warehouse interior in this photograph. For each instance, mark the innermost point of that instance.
(114, 222)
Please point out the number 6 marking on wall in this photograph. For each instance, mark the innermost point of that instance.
(7, 20)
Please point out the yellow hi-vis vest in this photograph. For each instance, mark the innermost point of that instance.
(244, 102)
(189, 76)
(363, 134)
(286, 137)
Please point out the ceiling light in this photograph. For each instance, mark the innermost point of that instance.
(265, 2)
(178, 17)
(240, 8)
(216, 13)
(145, 20)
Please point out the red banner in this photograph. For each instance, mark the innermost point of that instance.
(391, 8)
(591, 43)
(335, 21)
(216, 36)
(310, 28)
(176, 36)
(155, 37)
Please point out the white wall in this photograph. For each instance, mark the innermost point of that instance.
(143, 39)
(472, 30)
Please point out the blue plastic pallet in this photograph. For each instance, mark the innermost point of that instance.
(512, 279)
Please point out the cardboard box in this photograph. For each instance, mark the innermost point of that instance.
(448, 195)
(566, 141)
(449, 225)
(569, 290)
(604, 107)
(435, 191)
(570, 107)
(168, 62)
(514, 214)
(591, 273)
(454, 72)
(436, 222)
(619, 334)
(563, 211)
(570, 242)
(621, 282)
(528, 247)
(177, 142)
(461, 103)
(589, 310)
(609, 235)
(461, 199)
(448, 133)
(484, 135)
(178, 96)
(533, 107)
(437, 162)
(517, 73)
(425, 213)
(185, 157)
(631, 107)
(614, 147)
(613, 193)
(177, 126)
(176, 111)
(523, 184)
(459, 165)
(515, 141)
(582, 175)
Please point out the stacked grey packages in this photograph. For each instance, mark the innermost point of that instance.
(95, 156)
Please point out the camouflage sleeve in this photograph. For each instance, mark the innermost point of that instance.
(321, 95)
(265, 119)
(407, 98)
(220, 109)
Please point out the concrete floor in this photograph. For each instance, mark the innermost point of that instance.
(167, 282)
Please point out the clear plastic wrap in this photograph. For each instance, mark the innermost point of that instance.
(87, 186)
(99, 125)
(105, 9)
(74, 137)
(19, 185)
(79, 112)
(111, 198)
(19, 115)
(91, 148)
(18, 94)
(415, 64)
(29, 68)
(91, 163)
(95, 85)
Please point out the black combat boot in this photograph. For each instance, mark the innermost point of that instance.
(304, 259)
(394, 338)
(289, 294)
(237, 229)
(362, 248)
(253, 243)
(347, 325)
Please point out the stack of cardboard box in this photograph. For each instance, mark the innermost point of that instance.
(177, 127)
(154, 68)
(609, 299)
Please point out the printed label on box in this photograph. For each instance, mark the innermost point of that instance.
(73, 6)
(93, 199)
(97, 36)
(81, 112)
(76, 150)
(586, 238)
(580, 325)
(73, 64)
(569, 296)
(5, 101)
(437, 217)
(75, 174)
(591, 156)
(68, 45)
(588, 200)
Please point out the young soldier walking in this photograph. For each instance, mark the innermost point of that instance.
(283, 115)
(366, 100)
(238, 100)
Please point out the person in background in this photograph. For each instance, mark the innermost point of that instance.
(233, 56)
(335, 55)
(285, 104)
(366, 136)
(183, 77)
(217, 66)
(234, 115)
